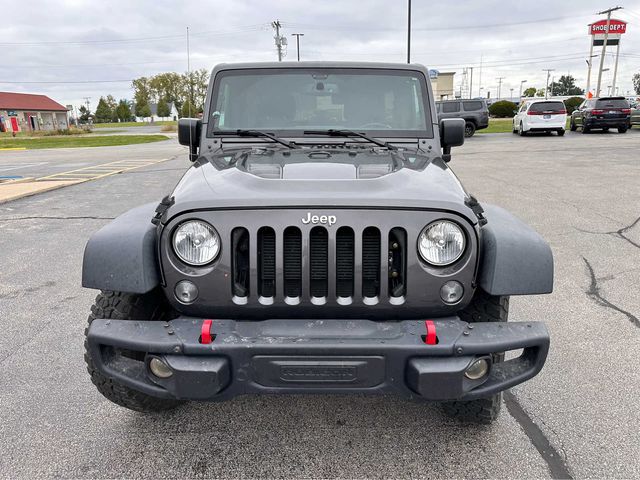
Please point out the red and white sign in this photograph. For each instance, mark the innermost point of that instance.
(615, 27)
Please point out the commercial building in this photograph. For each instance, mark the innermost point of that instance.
(442, 84)
(25, 112)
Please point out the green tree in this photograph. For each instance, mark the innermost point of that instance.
(141, 94)
(529, 92)
(168, 86)
(566, 85)
(188, 109)
(163, 108)
(195, 87)
(84, 114)
(540, 92)
(103, 113)
(143, 110)
(123, 111)
(572, 103)
(503, 109)
(636, 83)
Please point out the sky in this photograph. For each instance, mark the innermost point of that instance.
(72, 49)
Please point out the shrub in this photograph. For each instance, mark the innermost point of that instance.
(503, 109)
(572, 103)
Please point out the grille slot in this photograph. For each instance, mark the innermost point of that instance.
(397, 262)
(344, 262)
(370, 262)
(318, 261)
(240, 262)
(292, 261)
(266, 262)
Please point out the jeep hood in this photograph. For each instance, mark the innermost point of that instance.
(316, 180)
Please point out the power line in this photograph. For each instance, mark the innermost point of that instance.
(430, 29)
(248, 28)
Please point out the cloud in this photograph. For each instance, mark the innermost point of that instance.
(116, 41)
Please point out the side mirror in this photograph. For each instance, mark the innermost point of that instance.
(189, 130)
(451, 135)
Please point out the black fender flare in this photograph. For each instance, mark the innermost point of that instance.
(514, 258)
(122, 255)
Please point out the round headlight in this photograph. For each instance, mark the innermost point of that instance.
(441, 243)
(196, 242)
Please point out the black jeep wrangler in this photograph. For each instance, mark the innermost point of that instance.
(319, 243)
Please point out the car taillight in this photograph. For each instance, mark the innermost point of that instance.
(626, 111)
(561, 112)
(597, 112)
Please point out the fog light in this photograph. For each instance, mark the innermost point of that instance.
(451, 292)
(159, 368)
(477, 369)
(186, 291)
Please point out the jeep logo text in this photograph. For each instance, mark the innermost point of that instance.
(324, 219)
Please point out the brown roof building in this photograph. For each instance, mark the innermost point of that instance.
(29, 112)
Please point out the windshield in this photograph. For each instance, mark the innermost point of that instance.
(612, 102)
(547, 107)
(387, 103)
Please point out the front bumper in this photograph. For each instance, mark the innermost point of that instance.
(316, 356)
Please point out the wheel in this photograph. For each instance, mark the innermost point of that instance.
(127, 306)
(585, 129)
(572, 126)
(605, 129)
(469, 129)
(483, 308)
(521, 131)
(560, 132)
(622, 129)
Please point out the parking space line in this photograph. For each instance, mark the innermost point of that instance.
(100, 171)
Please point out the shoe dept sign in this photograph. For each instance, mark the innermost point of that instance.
(599, 29)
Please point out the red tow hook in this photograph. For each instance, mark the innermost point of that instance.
(205, 334)
(430, 338)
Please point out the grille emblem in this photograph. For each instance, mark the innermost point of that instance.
(323, 219)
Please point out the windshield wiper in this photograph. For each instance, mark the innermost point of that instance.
(257, 133)
(351, 133)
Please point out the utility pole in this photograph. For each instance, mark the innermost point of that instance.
(511, 98)
(499, 86)
(409, 31)
(298, 35)
(615, 65)
(471, 84)
(521, 82)
(546, 88)
(280, 40)
(604, 45)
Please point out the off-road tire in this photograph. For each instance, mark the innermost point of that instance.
(469, 129)
(560, 132)
(483, 308)
(622, 129)
(127, 306)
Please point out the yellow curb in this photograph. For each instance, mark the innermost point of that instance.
(14, 191)
(17, 180)
(12, 148)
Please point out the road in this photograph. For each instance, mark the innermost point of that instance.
(578, 418)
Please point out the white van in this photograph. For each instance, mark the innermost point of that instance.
(540, 116)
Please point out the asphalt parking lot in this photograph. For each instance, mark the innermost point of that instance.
(578, 418)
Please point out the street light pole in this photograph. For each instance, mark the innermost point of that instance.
(298, 35)
(521, 82)
(409, 31)
(546, 88)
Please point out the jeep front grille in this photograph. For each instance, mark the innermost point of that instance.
(320, 265)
